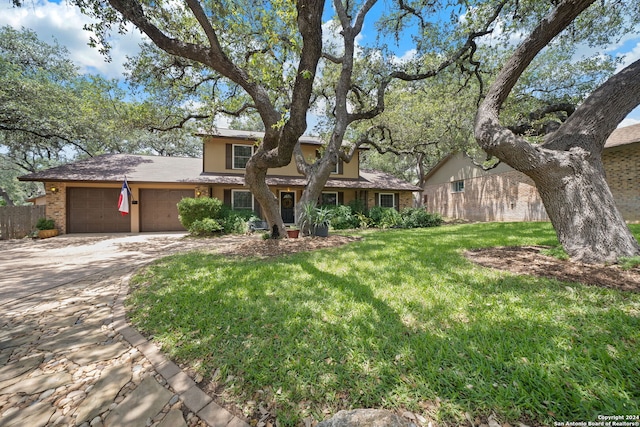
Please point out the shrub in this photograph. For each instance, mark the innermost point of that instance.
(45, 224)
(357, 206)
(343, 218)
(385, 217)
(419, 217)
(205, 227)
(193, 209)
(235, 222)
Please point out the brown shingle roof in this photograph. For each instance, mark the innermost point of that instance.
(157, 169)
(622, 136)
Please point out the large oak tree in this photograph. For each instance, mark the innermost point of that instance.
(567, 167)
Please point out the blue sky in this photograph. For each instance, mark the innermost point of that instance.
(64, 22)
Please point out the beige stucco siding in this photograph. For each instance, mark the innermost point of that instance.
(215, 159)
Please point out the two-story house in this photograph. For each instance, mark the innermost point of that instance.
(82, 197)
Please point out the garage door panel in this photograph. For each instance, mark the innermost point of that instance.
(95, 210)
(158, 210)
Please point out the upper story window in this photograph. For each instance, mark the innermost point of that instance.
(337, 168)
(457, 186)
(241, 155)
(329, 199)
(241, 199)
(386, 200)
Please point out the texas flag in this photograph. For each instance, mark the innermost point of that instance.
(123, 200)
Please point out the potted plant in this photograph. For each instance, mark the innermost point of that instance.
(46, 228)
(321, 222)
(314, 220)
(293, 232)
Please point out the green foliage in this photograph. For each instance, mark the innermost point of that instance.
(385, 217)
(205, 227)
(45, 224)
(357, 206)
(343, 218)
(235, 222)
(191, 209)
(419, 218)
(395, 320)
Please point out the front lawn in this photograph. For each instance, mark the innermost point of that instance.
(400, 320)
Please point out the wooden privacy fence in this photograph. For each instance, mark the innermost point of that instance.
(17, 222)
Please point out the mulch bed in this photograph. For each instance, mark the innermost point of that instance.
(529, 260)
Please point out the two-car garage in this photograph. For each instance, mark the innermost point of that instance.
(94, 210)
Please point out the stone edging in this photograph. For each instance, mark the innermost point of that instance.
(191, 395)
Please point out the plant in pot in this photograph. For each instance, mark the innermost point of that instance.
(322, 221)
(46, 228)
(314, 220)
(293, 232)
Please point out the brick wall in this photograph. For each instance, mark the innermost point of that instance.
(56, 204)
(512, 196)
(622, 166)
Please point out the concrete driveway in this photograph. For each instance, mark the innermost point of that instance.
(28, 266)
(67, 354)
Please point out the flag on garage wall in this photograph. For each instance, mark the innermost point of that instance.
(123, 200)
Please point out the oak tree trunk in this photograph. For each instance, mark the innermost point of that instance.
(582, 209)
(567, 167)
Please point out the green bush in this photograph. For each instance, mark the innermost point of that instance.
(419, 218)
(385, 217)
(357, 206)
(235, 222)
(193, 209)
(45, 224)
(205, 227)
(343, 218)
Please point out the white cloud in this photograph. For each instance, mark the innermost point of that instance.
(630, 57)
(63, 22)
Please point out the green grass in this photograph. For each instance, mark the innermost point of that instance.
(398, 320)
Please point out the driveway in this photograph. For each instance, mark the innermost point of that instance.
(28, 267)
(67, 354)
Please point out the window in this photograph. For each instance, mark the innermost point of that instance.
(241, 155)
(329, 199)
(336, 168)
(241, 199)
(457, 186)
(386, 200)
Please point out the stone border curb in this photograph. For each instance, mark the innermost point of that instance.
(191, 395)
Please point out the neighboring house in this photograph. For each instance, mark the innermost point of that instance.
(82, 197)
(456, 188)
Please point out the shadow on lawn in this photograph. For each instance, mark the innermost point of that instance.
(520, 346)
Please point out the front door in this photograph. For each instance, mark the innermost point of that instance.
(288, 206)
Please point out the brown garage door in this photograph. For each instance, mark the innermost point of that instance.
(95, 210)
(158, 210)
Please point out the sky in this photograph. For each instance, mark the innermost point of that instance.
(64, 23)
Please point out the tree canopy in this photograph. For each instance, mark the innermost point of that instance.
(51, 114)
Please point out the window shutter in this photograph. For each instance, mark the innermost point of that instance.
(340, 166)
(229, 158)
(376, 199)
(396, 201)
(227, 197)
(341, 197)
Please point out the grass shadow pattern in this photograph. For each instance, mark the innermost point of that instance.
(398, 320)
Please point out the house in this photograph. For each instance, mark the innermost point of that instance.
(456, 188)
(82, 197)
